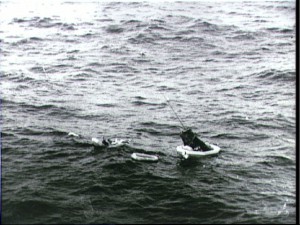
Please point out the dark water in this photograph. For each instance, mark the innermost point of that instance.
(101, 69)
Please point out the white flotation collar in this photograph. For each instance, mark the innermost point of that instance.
(144, 157)
(186, 151)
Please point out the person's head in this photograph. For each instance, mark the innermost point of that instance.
(187, 135)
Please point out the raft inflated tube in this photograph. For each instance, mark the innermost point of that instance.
(144, 157)
(187, 151)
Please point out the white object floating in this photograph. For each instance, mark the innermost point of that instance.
(118, 142)
(144, 157)
(73, 134)
(111, 143)
(186, 151)
(96, 140)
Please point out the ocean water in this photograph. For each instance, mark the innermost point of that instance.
(106, 69)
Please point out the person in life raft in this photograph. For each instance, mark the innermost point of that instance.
(190, 138)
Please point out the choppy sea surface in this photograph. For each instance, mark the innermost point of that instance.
(106, 69)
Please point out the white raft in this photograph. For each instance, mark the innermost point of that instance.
(144, 157)
(186, 151)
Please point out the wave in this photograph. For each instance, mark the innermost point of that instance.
(106, 105)
(185, 32)
(155, 38)
(282, 123)
(279, 160)
(48, 23)
(142, 103)
(37, 69)
(51, 69)
(67, 27)
(192, 39)
(95, 64)
(281, 30)
(114, 29)
(88, 35)
(163, 88)
(30, 40)
(140, 61)
(154, 124)
(156, 27)
(121, 69)
(230, 136)
(105, 20)
(81, 77)
(30, 211)
(47, 109)
(157, 130)
(276, 75)
(25, 20)
(151, 131)
(20, 78)
(205, 26)
(144, 39)
(34, 131)
(178, 19)
(149, 26)
(140, 97)
(45, 22)
(242, 37)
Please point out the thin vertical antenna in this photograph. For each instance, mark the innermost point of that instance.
(174, 112)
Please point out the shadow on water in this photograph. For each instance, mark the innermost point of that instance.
(188, 163)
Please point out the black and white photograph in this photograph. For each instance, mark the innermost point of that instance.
(148, 112)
